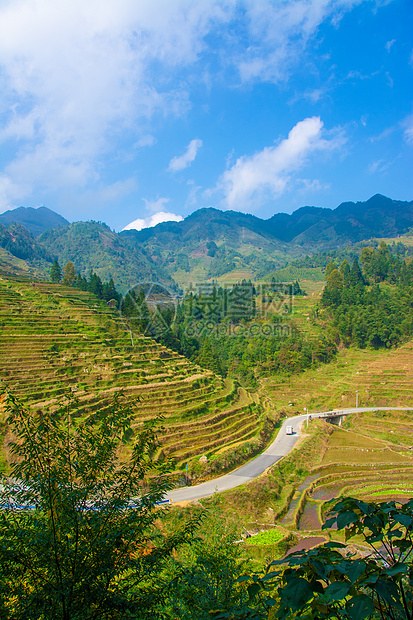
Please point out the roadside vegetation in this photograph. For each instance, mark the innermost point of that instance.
(82, 535)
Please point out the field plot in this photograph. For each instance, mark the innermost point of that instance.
(353, 464)
(56, 340)
(380, 378)
(329, 462)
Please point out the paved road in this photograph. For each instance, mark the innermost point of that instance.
(281, 446)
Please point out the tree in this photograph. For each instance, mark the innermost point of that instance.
(95, 285)
(55, 272)
(77, 534)
(109, 291)
(208, 571)
(331, 266)
(70, 275)
(345, 272)
(356, 277)
(335, 280)
(331, 583)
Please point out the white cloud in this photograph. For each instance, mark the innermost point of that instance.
(380, 166)
(408, 129)
(153, 220)
(155, 205)
(313, 185)
(280, 31)
(192, 194)
(389, 44)
(81, 79)
(183, 161)
(254, 179)
(389, 79)
(145, 140)
(383, 135)
(76, 77)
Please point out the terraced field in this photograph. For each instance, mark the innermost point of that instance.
(358, 465)
(364, 460)
(380, 378)
(55, 339)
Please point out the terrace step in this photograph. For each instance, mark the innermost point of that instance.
(56, 339)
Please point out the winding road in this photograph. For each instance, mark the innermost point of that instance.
(280, 447)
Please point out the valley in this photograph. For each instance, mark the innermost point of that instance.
(220, 403)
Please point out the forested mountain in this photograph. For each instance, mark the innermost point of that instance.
(209, 243)
(92, 245)
(35, 220)
(348, 223)
(17, 240)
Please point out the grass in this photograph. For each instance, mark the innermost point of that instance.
(381, 378)
(268, 537)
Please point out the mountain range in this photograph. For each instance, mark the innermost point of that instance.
(209, 243)
(35, 220)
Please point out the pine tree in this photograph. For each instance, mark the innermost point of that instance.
(95, 285)
(356, 277)
(55, 272)
(109, 291)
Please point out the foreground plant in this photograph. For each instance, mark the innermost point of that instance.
(331, 583)
(77, 535)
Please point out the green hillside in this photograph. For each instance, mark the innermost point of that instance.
(207, 245)
(11, 266)
(56, 340)
(20, 243)
(93, 245)
(211, 244)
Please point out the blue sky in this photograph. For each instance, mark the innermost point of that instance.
(124, 110)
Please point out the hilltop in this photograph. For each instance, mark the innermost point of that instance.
(93, 245)
(213, 244)
(35, 220)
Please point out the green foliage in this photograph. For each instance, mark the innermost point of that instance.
(70, 275)
(111, 255)
(103, 290)
(55, 272)
(135, 311)
(330, 583)
(207, 573)
(269, 537)
(77, 526)
(331, 266)
(17, 240)
(227, 331)
(372, 315)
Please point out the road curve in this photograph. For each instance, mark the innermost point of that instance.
(280, 447)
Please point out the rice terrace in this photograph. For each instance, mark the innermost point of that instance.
(270, 399)
(206, 310)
